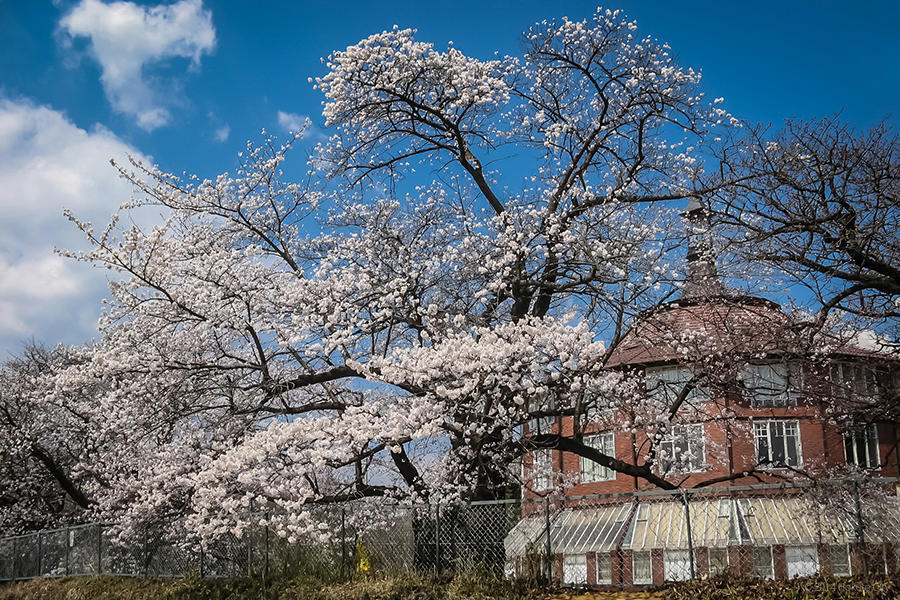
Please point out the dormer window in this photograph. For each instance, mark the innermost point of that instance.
(849, 380)
(773, 384)
(666, 383)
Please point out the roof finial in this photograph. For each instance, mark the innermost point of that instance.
(702, 278)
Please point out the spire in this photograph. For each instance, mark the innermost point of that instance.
(702, 278)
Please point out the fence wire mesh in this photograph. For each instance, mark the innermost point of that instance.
(837, 527)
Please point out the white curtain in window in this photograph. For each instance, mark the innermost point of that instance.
(575, 569)
(541, 469)
(802, 561)
(683, 449)
(676, 565)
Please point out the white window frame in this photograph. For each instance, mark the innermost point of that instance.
(542, 469)
(641, 555)
(591, 471)
(600, 577)
(757, 571)
(844, 551)
(676, 565)
(870, 433)
(666, 382)
(773, 385)
(762, 430)
(810, 552)
(693, 435)
(575, 569)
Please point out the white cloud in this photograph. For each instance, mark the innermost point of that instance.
(126, 39)
(48, 163)
(222, 133)
(292, 122)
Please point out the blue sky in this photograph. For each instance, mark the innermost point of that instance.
(187, 83)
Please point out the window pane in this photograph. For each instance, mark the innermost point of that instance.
(872, 447)
(850, 448)
(792, 447)
(802, 561)
(592, 471)
(840, 560)
(575, 569)
(776, 384)
(762, 442)
(776, 435)
(541, 469)
(676, 565)
(718, 561)
(604, 568)
(861, 448)
(643, 570)
(683, 449)
(762, 562)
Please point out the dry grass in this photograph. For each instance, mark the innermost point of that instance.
(430, 588)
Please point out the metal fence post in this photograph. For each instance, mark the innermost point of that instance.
(40, 555)
(549, 549)
(266, 567)
(15, 566)
(860, 531)
(202, 562)
(67, 552)
(343, 542)
(690, 536)
(437, 538)
(99, 549)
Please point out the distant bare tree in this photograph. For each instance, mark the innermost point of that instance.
(821, 203)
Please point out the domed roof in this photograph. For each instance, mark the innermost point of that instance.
(690, 327)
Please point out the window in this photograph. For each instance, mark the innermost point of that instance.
(542, 424)
(592, 471)
(762, 562)
(777, 443)
(840, 560)
(861, 448)
(718, 561)
(574, 569)
(541, 469)
(642, 568)
(683, 449)
(604, 569)
(677, 565)
(771, 385)
(666, 383)
(802, 561)
(850, 380)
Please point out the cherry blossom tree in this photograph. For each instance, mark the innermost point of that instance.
(469, 248)
(40, 443)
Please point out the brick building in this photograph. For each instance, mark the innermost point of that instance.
(750, 409)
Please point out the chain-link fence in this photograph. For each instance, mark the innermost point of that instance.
(840, 528)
